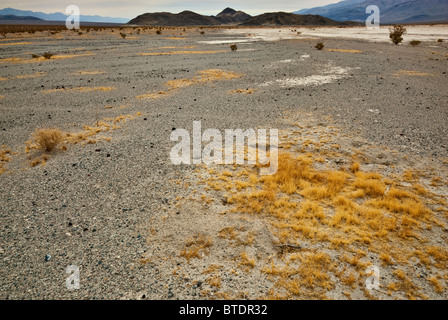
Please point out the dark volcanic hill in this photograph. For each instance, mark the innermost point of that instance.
(291, 19)
(18, 18)
(230, 16)
(184, 18)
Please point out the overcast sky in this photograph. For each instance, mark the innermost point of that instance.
(133, 8)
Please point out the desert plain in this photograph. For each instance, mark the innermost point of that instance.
(362, 179)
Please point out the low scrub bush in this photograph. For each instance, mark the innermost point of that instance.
(319, 46)
(47, 55)
(396, 33)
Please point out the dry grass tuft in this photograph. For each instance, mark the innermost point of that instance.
(355, 167)
(48, 139)
(194, 245)
(244, 91)
(246, 261)
(4, 158)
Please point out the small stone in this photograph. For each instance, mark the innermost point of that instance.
(47, 257)
(68, 234)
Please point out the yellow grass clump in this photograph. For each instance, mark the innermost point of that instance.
(204, 76)
(80, 89)
(345, 50)
(246, 261)
(179, 52)
(244, 91)
(194, 245)
(48, 139)
(4, 158)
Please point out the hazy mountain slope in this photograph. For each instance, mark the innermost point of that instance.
(290, 19)
(391, 10)
(17, 18)
(58, 16)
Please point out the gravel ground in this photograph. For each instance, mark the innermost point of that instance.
(106, 206)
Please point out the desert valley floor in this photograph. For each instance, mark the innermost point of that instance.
(362, 178)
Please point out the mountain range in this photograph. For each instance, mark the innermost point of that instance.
(230, 16)
(342, 13)
(8, 17)
(58, 16)
(391, 11)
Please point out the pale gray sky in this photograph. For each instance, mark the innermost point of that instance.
(130, 9)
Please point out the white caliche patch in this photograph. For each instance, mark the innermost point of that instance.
(275, 64)
(329, 74)
(231, 40)
(417, 32)
(266, 34)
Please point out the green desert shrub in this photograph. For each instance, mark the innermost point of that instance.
(396, 33)
(319, 46)
(47, 55)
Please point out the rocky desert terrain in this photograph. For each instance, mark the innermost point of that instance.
(362, 182)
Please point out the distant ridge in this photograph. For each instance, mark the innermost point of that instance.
(58, 16)
(230, 16)
(291, 19)
(19, 18)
